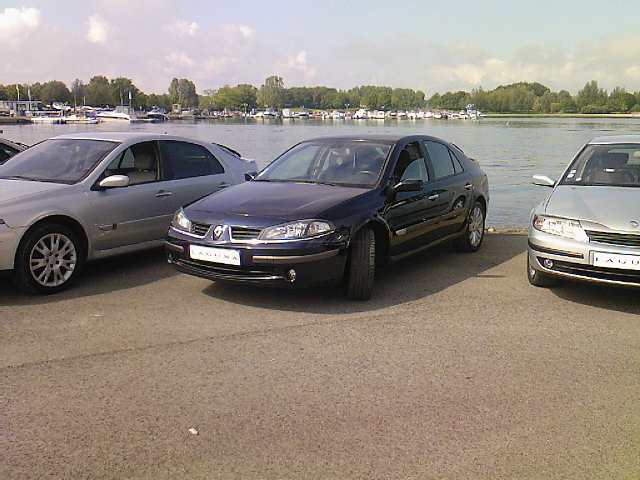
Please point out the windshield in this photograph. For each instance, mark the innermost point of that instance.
(612, 165)
(346, 162)
(57, 160)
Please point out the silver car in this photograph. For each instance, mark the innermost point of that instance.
(81, 197)
(589, 227)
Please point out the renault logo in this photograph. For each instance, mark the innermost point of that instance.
(217, 232)
(634, 224)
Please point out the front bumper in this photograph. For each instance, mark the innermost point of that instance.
(286, 264)
(572, 259)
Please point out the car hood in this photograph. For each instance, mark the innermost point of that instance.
(283, 200)
(613, 207)
(16, 189)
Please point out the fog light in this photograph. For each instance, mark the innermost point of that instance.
(291, 275)
(548, 263)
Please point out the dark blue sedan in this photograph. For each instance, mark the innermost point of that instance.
(333, 210)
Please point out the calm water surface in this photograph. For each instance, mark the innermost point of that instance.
(510, 150)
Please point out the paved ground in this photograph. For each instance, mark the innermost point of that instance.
(456, 369)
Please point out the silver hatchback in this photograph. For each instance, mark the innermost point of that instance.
(588, 228)
(81, 197)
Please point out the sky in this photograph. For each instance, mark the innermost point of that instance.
(428, 45)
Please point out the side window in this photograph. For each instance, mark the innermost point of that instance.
(410, 164)
(186, 160)
(457, 164)
(441, 160)
(139, 162)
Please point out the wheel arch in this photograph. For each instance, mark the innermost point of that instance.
(66, 221)
(381, 232)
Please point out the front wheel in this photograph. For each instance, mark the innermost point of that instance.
(361, 265)
(473, 235)
(48, 259)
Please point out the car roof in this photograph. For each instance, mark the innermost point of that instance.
(385, 138)
(616, 139)
(124, 136)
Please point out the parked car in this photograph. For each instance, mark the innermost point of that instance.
(9, 149)
(588, 228)
(86, 196)
(334, 209)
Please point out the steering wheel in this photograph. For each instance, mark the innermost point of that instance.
(366, 172)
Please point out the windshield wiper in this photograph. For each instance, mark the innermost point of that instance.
(22, 177)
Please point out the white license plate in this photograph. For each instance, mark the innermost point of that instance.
(215, 255)
(616, 260)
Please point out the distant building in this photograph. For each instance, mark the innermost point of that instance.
(15, 107)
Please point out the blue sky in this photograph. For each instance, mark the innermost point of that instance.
(427, 45)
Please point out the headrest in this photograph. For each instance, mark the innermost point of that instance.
(143, 161)
(614, 160)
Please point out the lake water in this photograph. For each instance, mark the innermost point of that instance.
(509, 150)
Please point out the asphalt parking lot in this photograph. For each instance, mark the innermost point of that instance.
(457, 368)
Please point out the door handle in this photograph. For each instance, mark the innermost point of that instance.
(433, 197)
(468, 186)
(224, 185)
(164, 193)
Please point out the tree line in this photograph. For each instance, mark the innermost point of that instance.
(522, 97)
(101, 91)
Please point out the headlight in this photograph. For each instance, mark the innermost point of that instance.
(299, 229)
(563, 227)
(181, 221)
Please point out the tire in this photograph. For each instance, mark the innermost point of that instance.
(538, 278)
(48, 259)
(361, 265)
(471, 239)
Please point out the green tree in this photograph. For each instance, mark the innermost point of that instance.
(183, 91)
(54, 91)
(98, 91)
(620, 100)
(78, 92)
(271, 94)
(121, 90)
(591, 95)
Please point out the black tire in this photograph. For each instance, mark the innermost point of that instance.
(471, 239)
(538, 278)
(48, 259)
(361, 266)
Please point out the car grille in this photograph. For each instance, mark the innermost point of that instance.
(609, 238)
(245, 233)
(200, 229)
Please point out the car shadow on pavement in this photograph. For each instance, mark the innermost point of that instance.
(99, 277)
(607, 297)
(414, 278)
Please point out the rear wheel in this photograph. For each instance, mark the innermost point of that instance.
(473, 235)
(538, 278)
(48, 259)
(361, 265)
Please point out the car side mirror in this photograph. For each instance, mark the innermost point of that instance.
(544, 181)
(408, 185)
(114, 181)
(250, 176)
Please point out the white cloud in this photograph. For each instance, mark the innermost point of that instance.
(181, 28)
(98, 29)
(297, 65)
(245, 31)
(17, 23)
